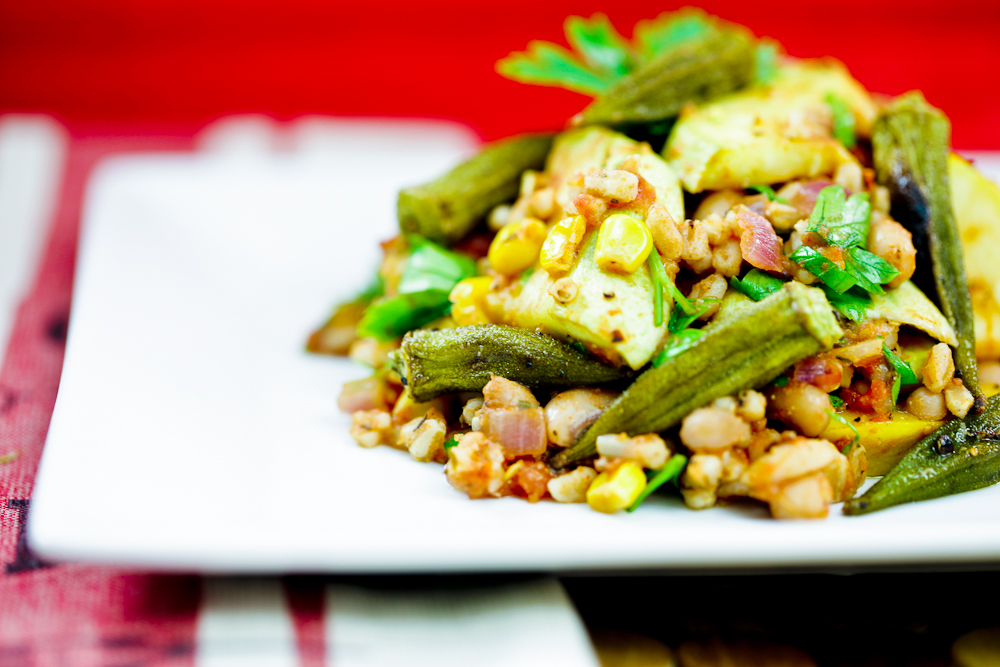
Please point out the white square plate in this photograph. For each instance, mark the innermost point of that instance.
(192, 431)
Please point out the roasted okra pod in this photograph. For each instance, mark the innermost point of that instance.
(911, 143)
(960, 456)
(447, 209)
(719, 62)
(748, 351)
(447, 361)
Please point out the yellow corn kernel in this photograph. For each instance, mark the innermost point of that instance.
(516, 246)
(623, 244)
(559, 249)
(468, 301)
(617, 488)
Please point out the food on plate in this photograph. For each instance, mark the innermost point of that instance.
(734, 274)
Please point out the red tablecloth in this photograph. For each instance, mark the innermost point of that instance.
(78, 614)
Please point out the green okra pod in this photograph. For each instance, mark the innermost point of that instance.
(433, 363)
(962, 455)
(447, 209)
(911, 142)
(748, 350)
(719, 62)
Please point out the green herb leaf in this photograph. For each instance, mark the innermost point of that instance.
(669, 30)
(670, 472)
(600, 55)
(659, 277)
(852, 304)
(600, 45)
(431, 267)
(9, 456)
(837, 402)
(578, 346)
(842, 420)
(769, 191)
(526, 275)
(451, 443)
(428, 277)
(678, 343)
(842, 222)
(904, 374)
(547, 64)
(679, 320)
(391, 317)
(757, 285)
(766, 61)
(781, 381)
(824, 269)
(870, 270)
(843, 121)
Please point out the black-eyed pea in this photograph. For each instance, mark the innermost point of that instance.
(713, 430)
(925, 404)
(806, 498)
(802, 405)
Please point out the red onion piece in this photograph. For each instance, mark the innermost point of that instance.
(760, 246)
(521, 432)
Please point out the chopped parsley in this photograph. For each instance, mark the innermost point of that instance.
(670, 472)
(428, 277)
(843, 121)
(903, 375)
(843, 223)
(852, 304)
(842, 420)
(677, 343)
(769, 191)
(756, 284)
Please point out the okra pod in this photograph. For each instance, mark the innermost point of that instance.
(719, 62)
(746, 351)
(446, 361)
(447, 209)
(911, 142)
(962, 455)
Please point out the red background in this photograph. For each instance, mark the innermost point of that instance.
(180, 64)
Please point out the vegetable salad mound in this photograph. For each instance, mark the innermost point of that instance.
(735, 274)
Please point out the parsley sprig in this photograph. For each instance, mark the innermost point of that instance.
(843, 223)
(600, 56)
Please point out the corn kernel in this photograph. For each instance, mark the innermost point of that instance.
(468, 301)
(470, 289)
(623, 244)
(616, 489)
(516, 246)
(559, 249)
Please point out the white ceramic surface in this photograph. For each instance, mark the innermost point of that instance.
(192, 431)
